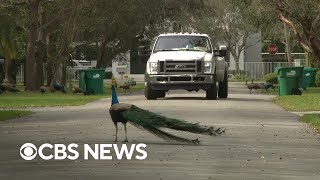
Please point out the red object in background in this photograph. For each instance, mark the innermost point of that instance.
(273, 49)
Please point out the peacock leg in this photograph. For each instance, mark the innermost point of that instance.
(116, 132)
(125, 131)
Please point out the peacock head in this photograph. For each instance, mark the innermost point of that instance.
(114, 99)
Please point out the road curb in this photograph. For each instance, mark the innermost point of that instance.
(306, 112)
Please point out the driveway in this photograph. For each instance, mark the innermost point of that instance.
(262, 141)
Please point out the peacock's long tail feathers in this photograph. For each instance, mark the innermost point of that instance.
(169, 137)
(152, 121)
(135, 120)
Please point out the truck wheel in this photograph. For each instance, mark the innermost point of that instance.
(149, 93)
(162, 94)
(211, 94)
(223, 87)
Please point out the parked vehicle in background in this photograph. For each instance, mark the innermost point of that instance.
(78, 65)
(81, 64)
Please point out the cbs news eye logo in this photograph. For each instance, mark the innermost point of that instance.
(28, 151)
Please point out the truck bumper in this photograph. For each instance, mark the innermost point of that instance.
(173, 82)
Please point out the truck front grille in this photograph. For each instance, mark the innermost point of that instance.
(180, 78)
(178, 67)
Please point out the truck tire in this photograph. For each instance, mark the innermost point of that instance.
(223, 87)
(211, 94)
(161, 94)
(149, 93)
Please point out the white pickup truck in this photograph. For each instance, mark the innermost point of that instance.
(185, 61)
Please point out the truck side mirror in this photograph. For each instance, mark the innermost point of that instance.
(220, 53)
(144, 51)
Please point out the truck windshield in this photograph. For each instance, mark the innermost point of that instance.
(183, 43)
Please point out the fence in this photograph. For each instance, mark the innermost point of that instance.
(257, 70)
(71, 73)
(20, 74)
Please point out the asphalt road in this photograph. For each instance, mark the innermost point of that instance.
(262, 141)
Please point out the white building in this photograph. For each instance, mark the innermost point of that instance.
(252, 52)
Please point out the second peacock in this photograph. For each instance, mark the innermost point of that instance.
(152, 122)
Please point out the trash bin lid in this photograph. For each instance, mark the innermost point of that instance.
(289, 71)
(310, 69)
(288, 68)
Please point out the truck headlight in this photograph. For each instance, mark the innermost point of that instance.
(207, 67)
(154, 67)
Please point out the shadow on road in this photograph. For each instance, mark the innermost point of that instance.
(175, 144)
(184, 98)
(228, 99)
(246, 99)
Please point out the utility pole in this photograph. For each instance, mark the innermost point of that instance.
(288, 47)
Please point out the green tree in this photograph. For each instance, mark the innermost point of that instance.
(8, 45)
(303, 17)
(229, 22)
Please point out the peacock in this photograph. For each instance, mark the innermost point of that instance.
(44, 89)
(58, 87)
(76, 90)
(143, 119)
(8, 87)
(126, 87)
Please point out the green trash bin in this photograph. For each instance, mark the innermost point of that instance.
(290, 80)
(309, 77)
(82, 82)
(91, 80)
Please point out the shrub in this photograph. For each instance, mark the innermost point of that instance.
(241, 77)
(108, 75)
(271, 78)
(318, 79)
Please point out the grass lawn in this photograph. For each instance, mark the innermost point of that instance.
(312, 119)
(5, 115)
(309, 101)
(26, 99)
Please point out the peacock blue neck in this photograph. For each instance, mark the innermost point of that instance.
(114, 96)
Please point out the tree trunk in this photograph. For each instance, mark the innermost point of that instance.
(64, 53)
(63, 68)
(102, 53)
(8, 70)
(237, 67)
(109, 35)
(50, 58)
(40, 55)
(1, 73)
(236, 56)
(237, 64)
(64, 74)
(288, 45)
(309, 41)
(32, 70)
(49, 73)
